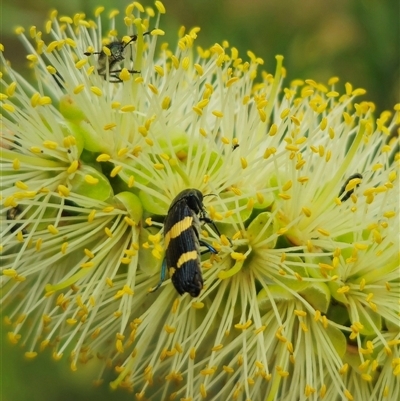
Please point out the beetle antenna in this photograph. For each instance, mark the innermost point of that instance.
(89, 54)
(134, 38)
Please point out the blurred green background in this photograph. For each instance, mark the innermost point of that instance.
(357, 40)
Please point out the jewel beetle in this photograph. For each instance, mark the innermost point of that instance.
(182, 242)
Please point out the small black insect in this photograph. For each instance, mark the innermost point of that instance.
(12, 215)
(182, 242)
(343, 189)
(117, 50)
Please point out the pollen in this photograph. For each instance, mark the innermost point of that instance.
(96, 90)
(8, 107)
(238, 256)
(89, 253)
(64, 247)
(63, 190)
(343, 290)
(228, 369)
(324, 232)
(13, 338)
(231, 81)
(153, 89)
(73, 167)
(53, 230)
(281, 372)
(10, 273)
(218, 113)
(129, 221)
(169, 329)
(243, 326)
(208, 371)
(109, 127)
(292, 148)
(91, 180)
(160, 7)
(87, 265)
(115, 171)
(273, 130)
(79, 89)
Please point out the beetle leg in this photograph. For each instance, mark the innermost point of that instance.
(162, 276)
(207, 220)
(208, 246)
(130, 71)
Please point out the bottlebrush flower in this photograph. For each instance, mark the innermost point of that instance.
(301, 301)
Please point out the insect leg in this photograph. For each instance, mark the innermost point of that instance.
(162, 276)
(208, 246)
(134, 38)
(130, 71)
(207, 220)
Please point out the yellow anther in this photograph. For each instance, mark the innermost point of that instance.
(87, 265)
(169, 329)
(97, 91)
(115, 171)
(243, 326)
(153, 89)
(53, 230)
(63, 190)
(343, 290)
(227, 369)
(128, 108)
(324, 232)
(160, 7)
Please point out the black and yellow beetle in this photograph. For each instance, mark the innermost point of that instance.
(182, 242)
(117, 54)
